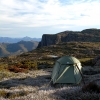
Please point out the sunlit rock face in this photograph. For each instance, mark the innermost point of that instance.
(87, 35)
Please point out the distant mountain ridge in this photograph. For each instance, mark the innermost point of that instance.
(7, 49)
(15, 40)
(87, 35)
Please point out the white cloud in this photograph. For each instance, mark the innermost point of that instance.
(5, 29)
(36, 13)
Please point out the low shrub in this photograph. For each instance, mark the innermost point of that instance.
(86, 61)
(17, 69)
(91, 87)
(3, 93)
(12, 95)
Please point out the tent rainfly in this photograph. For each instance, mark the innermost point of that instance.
(67, 69)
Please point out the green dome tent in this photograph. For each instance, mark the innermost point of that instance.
(67, 69)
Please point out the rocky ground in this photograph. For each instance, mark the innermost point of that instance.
(34, 85)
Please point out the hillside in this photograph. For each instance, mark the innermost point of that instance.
(24, 76)
(77, 49)
(87, 35)
(7, 49)
(80, 50)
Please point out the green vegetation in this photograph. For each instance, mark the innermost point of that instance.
(38, 58)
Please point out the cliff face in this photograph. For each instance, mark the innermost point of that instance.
(88, 35)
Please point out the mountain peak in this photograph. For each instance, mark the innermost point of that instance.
(15, 40)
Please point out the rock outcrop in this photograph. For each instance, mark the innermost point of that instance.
(88, 35)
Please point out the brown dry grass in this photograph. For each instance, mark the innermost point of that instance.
(33, 86)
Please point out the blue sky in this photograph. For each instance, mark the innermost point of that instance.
(33, 18)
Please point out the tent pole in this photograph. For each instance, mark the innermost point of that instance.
(49, 83)
(81, 74)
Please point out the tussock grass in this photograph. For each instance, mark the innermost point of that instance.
(34, 86)
(6, 74)
(3, 93)
(11, 95)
